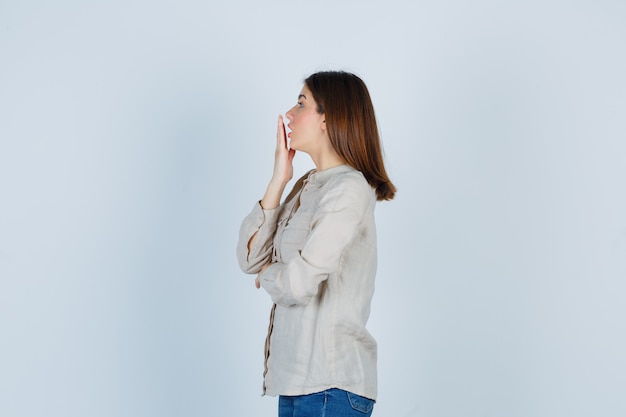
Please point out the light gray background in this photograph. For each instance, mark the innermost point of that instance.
(135, 136)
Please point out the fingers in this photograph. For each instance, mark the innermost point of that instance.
(257, 282)
(281, 135)
(282, 122)
(283, 156)
(278, 139)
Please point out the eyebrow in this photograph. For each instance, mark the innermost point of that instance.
(301, 96)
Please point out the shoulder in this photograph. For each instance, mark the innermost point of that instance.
(350, 179)
(349, 187)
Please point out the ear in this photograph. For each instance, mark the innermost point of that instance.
(323, 125)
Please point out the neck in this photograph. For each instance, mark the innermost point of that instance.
(327, 160)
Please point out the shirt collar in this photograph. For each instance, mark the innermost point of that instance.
(320, 178)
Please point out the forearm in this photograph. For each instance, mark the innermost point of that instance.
(290, 284)
(273, 194)
(254, 248)
(270, 201)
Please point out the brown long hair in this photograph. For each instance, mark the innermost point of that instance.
(344, 99)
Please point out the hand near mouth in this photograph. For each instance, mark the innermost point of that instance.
(283, 157)
(283, 169)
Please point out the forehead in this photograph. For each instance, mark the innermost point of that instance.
(306, 93)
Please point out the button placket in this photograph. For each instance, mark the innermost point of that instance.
(267, 344)
(277, 258)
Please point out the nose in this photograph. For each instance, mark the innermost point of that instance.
(289, 114)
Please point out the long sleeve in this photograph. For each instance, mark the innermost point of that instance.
(262, 223)
(334, 226)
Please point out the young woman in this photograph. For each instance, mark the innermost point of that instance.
(315, 254)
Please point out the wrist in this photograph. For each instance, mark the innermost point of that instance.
(278, 183)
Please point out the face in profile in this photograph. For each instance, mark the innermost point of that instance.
(307, 126)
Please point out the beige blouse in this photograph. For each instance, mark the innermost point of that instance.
(321, 243)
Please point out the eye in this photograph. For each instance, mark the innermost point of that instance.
(300, 105)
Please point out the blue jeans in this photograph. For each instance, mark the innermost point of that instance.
(330, 403)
